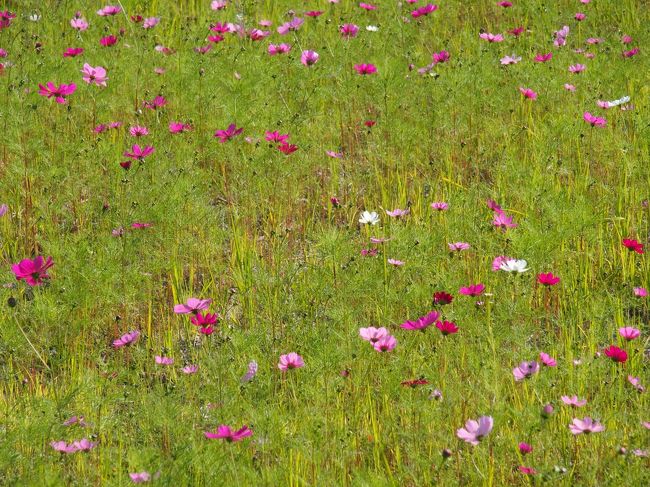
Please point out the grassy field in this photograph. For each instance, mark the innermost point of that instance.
(270, 232)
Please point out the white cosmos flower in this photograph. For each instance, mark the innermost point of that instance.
(369, 217)
(372, 28)
(514, 265)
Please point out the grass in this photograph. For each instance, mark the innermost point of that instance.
(255, 231)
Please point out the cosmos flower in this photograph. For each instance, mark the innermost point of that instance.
(573, 401)
(447, 327)
(472, 290)
(633, 245)
(547, 360)
(506, 60)
(525, 370)
(475, 430)
(629, 333)
(193, 305)
(290, 361)
(514, 265)
(33, 272)
(486, 36)
(548, 279)
(59, 93)
(527, 93)
(228, 134)
(458, 246)
(127, 339)
(369, 217)
(372, 334)
(161, 360)
(225, 433)
(422, 322)
(309, 58)
(385, 343)
(585, 425)
(250, 373)
(616, 354)
(365, 68)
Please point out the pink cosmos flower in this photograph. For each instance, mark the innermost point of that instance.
(528, 93)
(631, 52)
(580, 16)
(396, 263)
(150, 23)
(561, 35)
(309, 58)
(629, 333)
(72, 51)
(385, 344)
(472, 290)
(542, 58)
(548, 279)
(577, 68)
(440, 57)
(314, 13)
(58, 92)
(63, 447)
(640, 292)
(3, 209)
(626, 39)
(225, 433)
(447, 327)
(585, 425)
(372, 334)
(517, 31)
(193, 305)
(504, 4)
(218, 4)
(109, 10)
(190, 369)
(349, 30)
(636, 383)
(79, 420)
(486, 36)
(33, 272)
(161, 360)
(547, 360)
(138, 131)
(426, 10)
(475, 431)
(141, 225)
(439, 205)
(594, 121)
(525, 448)
(569, 87)
(458, 246)
(365, 68)
(79, 24)
(422, 322)
(140, 477)
(616, 354)
(229, 133)
(506, 60)
(573, 401)
(503, 221)
(250, 373)
(139, 153)
(127, 339)
(279, 49)
(525, 370)
(290, 361)
(527, 470)
(179, 127)
(293, 25)
(398, 213)
(367, 6)
(108, 41)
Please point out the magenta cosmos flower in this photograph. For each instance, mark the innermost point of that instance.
(633, 245)
(290, 361)
(205, 322)
(58, 92)
(525, 370)
(179, 127)
(309, 58)
(372, 334)
(547, 360)
(193, 305)
(385, 344)
(96, 75)
(365, 68)
(640, 292)
(616, 354)
(32, 271)
(542, 58)
(229, 133)
(585, 425)
(126, 339)
(426, 10)
(528, 93)
(548, 279)
(225, 433)
(629, 333)
(422, 322)
(72, 51)
(447, 327)
(139, 153)
(472, 290)
(349, 30)
(475, 431)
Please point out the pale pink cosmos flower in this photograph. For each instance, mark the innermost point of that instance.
(577, 68)
(525, 370)
(629, 333)
(309, 58)
(150, 22)
(385, 344)
(218, 4)
(547, 360)
(109, 10)
(486, 36)
(63, 447)
(506, 60)
(372, 334)
(396, 263)
(279, 49)
(528, 93)
(190, 369)
(439, 205)
(79, 420)
(573, 401)
(561, 35)
(569, 87)
(458, 246)
(161, 360)
(334, 154)
(193, 305)
(79, 24)
(585, 425)
(140, 477)
(503, 221)
(292, 25)
(225, 433)
(422, 322)
(126, 339)
(474, 431)
(250, 373)
(398, 213)
(636, 383)
(640, 292)
(290, 361)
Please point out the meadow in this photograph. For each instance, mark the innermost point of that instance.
(283, 242)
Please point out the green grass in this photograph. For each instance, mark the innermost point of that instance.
(254, 230)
